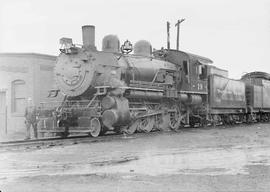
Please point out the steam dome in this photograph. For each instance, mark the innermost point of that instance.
(143, 47)
(110, 43)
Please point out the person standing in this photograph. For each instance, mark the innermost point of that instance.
(31, 119)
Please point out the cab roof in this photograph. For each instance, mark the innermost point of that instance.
(201, 59)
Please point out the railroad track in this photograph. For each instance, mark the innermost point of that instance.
(57, 141)
(54, 141)
(33, 141)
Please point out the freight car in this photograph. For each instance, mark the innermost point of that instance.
(114, 90)
(257, 95)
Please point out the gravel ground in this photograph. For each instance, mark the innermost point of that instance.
(209, 159)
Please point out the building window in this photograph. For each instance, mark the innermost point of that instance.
(18, 96)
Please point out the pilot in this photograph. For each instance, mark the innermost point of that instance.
(31, 118)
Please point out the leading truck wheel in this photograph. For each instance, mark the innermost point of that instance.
(132, 127)
(95, 127)
(146, 124)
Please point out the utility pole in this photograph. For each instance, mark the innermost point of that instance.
(178, 28)
(168, 35)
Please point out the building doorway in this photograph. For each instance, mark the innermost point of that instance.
(3, 113)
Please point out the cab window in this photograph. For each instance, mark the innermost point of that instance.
(185, 67)
(202, 71)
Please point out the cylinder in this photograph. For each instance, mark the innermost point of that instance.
(88, 36)
(108, 102)
(110, 118)
(122, 106)
(183, 97)
(194, 99)
(118, 115)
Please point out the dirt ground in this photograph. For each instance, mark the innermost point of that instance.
(210, 159)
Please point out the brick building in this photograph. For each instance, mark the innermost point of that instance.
(22, 76)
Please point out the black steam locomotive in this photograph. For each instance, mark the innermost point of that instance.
(114, 90)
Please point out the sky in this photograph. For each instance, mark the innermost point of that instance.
(235, 34)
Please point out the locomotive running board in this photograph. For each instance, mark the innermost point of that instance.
(194, 92)
(102, 90)
(142, 89)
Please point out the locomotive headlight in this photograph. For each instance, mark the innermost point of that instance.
(67, 46)
(66, 41)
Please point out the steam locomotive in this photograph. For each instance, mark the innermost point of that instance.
(114, 90)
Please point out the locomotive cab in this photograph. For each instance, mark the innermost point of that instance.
(194, 70)
(192, 89)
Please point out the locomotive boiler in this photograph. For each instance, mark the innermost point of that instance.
(79, 70)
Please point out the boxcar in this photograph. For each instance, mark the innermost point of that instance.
(258, 96)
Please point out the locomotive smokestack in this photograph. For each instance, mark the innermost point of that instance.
(88, 36)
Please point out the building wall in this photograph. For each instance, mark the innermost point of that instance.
(23, 76)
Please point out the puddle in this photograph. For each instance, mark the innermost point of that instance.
(199, 162)
(115, 161)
